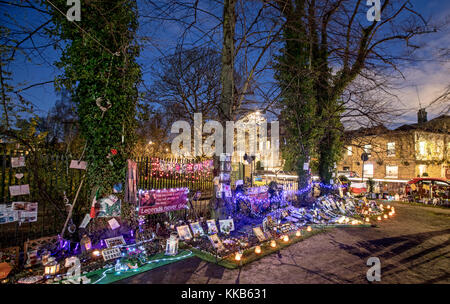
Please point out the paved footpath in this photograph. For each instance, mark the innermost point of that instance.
(413, 247)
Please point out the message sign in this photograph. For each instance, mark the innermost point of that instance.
(162, 200)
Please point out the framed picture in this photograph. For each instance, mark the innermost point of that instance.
(115, 241)
(197, 229)
(216, 242)
(184, 233)
(259, 234)
(226, 226)
(212, 228)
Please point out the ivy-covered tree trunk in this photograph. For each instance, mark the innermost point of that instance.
(227, 89)
(101, 72)
(296, 80)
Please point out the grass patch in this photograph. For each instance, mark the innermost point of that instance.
(249, 254)
(109, 275)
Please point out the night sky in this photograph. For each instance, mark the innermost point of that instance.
(429, 74)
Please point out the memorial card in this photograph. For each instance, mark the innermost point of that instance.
(17, 162)
(19, 190)
(78, 164)
(113, 223)
(259, 234)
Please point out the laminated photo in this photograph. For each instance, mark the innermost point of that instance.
(212, 227)
(226, 226)
(197, 229)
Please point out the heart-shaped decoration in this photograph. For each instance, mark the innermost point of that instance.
(19, 175)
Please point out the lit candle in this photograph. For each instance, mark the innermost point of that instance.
(238, 256)
(309, 229)
(273, 243)
(285, 238)
(379, 218)
(367, 219)
(257, 249)
(298, 233)
(385, 216)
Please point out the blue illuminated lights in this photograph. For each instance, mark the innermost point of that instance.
(188, 254)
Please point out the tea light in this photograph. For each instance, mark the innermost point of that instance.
(385, 216)
(379, 218)
(298, 233)
(273, 243)
(257, 249)
(381, 205)
(96, 253)
(309, 229)
(286, 238)
(389, 206)
(367, 219)
(370, 209)
(238, 256)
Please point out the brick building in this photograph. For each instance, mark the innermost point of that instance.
(421, 149)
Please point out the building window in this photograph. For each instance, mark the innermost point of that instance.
(391, 149)
(422, 148)
(349, 151)
(422, 169)
(368, 149)
(392, 171)
(368, 170)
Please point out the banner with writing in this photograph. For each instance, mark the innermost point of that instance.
(162, 200)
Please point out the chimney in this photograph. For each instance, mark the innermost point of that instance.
(421, 116)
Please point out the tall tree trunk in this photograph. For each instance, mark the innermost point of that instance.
(227, 91)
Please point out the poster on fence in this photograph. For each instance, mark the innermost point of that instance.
(27, 212)
(110, 206)
(160, 201)
(7, 214)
